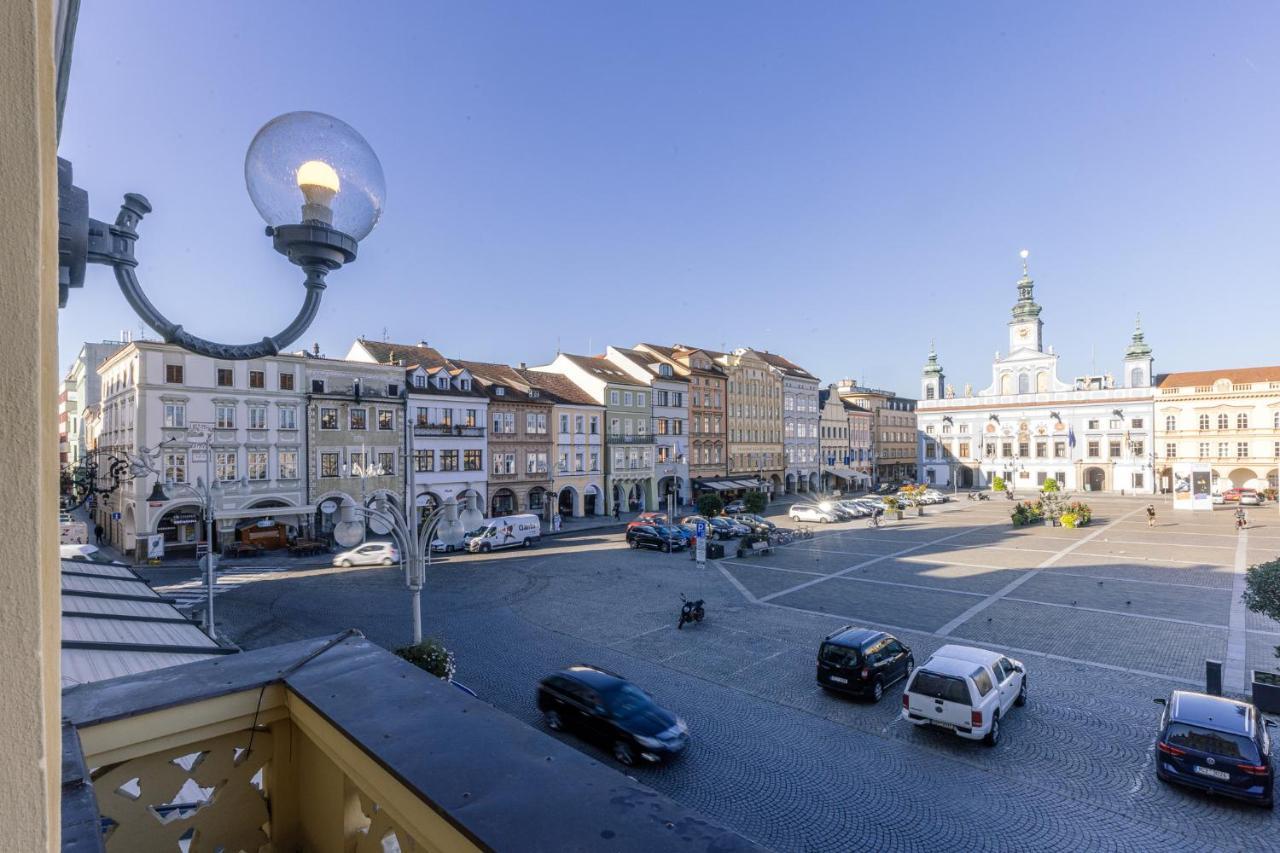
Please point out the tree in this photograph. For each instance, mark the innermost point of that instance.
(710, 505)
(997, 485)
(1050, 485)
(755, 502)
(1262, 590)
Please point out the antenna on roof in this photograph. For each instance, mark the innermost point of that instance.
(557, 344)
(384, 334)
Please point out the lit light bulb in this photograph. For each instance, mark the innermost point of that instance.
(319, 184)
(1024, 253)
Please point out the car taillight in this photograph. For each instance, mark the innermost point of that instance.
(906, 702)
(975, 718)
(1170, 750)
(865, 672)
(1254, 769)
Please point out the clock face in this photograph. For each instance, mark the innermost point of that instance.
(1022, 333)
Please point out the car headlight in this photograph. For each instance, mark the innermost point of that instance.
(650, 742)
(681, 726)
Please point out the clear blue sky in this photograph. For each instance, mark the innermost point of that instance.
(837, 182)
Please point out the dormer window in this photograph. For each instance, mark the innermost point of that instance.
(533, 393)
(442, 382)
(664, 369)
(464, 384)
(499, 391)
(419, 381)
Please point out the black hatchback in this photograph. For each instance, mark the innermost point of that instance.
(655, 536)
(603, 707)
(1215, 744)
(862, 661)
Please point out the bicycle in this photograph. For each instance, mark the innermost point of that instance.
(874, 521)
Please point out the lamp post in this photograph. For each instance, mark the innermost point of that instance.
(415, 541)
(312, 177)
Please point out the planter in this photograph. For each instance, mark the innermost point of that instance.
(919, 510)
(1266, 691)
(1048, 522)
(898, 513)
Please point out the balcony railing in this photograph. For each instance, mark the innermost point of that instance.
(629, 439)
(335, 744)
(446, 429)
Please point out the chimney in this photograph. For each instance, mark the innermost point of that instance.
(423, 344)
(524, 366)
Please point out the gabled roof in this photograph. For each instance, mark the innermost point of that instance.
(603, 369)
(492, 376)
(648, 360)
(786, 366)
(677, 353)
(557, 387)
(1208, 377)
(413, 355)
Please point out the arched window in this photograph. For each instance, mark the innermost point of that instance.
(1024, 383)
(1135, 378)
(1042, 381)
(928, 392)
(1006, 383)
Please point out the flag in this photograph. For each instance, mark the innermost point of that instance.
(1071, 436)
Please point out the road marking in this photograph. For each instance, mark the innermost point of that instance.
(746, 593)
(1233, 674)
(1134, 559)
(1060, 573)
(1124, 613)
(755, 663)
(855, 579)
(1017, 582)
(194, 591)
(865, 563)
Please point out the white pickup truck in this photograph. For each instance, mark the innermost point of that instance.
(965, 690)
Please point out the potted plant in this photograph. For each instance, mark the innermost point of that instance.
(894, 506)
(432, 656)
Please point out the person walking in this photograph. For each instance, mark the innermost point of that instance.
(97, 532)
(617, 510)
(1242, 520)
(1151, 515)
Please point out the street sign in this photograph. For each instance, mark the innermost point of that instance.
(115, 516)
(155, 545)
(329, 507)
(700, 527)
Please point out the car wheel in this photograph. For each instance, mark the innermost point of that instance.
(346, 564)
(448, 549)
(528, 543)
(484, 549)
(386, 561)
(666, 547)
(993, 736)
(634, 544)
(1022, 693)
(877, 691)
(553, 721)
(624, 753)
(911, 666)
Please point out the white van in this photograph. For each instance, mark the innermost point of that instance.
(965, 690)
(507, 532)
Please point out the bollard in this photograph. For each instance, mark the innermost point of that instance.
(1213, 677)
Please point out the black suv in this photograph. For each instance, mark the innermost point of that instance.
(604, 707)
(862, 661)
(655, 536)
(1215, 744)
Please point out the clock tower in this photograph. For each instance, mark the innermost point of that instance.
(1025, 329)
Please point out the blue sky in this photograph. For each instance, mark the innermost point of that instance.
(838, 182)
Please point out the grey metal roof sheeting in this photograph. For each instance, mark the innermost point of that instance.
(114, 624)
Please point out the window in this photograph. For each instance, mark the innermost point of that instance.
(640, 399)
(424, 460)
(257, 464)
(504, 463)
(464, 384)
(982, 681)
(286, 381)
(386, 419)
(1204, 422)
(470, 418)
(288, 417)
(387, 462)
(964, 450)
(1275, 450)
(419, 381)
(1139, 448)
(175, 415)
(595, 424)
(328, 464)
(287, 463)
(448, 460)
(1222, 448)
(535, 423)
(1242, 449)
(358, 418)
(173, 374)
(1114, 423)
(328, 418)
(595, 459)
(257, 379)
(1024, 449)
(175, 467)
(928, 392)
(642, 425)
(1275, 421)
(472, 460)
(613, 398)
(1042, 450)
(660, 398)
(1242, 421)
(1113, 450)
(991, 449)
(224, 417)
(577, 462)
(1135, 423)
(1093, 424)
(1223, 420)
(564, 424)
(225, 463)
(1093, 450)
(1204, 450)
(393, 389)
(1006, 448)
(317, 386)
(1171, 450)
(535, 462)
(358, 461)
(1170, 423)
(257, 417)
(226, 376)
(628, 399)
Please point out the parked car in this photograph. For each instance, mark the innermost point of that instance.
(720, 528)
(862, 661)
(1250, 497)
(1218, 498)
(507, 532)
(835, 508)
(604, 707)
(86, 554)
(756, 523)
(1231, 495)
(368, 554)
(876, 502)
(965, 690)
(659, 537)
(437, 545)
(647, 518)
(1217, 745)
(810, 512)
(854, 508)
(734, 507)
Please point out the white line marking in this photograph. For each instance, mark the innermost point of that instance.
(1017, 582)
(1233, 674)
(1124, 613)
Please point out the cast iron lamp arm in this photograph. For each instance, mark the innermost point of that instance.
(312, 245)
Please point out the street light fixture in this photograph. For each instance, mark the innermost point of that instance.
(312, 177)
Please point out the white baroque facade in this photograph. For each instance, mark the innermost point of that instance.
(1095, 433)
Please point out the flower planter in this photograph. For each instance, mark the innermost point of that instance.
(898, 513)
(1266, 691)
(919, 510)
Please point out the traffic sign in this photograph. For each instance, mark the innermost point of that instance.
(700, 527)
(115, 516)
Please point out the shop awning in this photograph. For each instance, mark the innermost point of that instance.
(844, 472)
(263, 512)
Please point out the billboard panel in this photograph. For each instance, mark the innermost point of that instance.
(1192, 486)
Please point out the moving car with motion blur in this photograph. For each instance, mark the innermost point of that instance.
(603, 707)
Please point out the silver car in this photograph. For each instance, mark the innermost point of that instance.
(368, 554)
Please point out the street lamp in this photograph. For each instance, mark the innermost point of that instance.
(445, 522)
(312, 177)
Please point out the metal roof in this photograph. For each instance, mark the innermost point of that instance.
(114, 624)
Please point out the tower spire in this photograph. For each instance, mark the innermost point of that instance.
(1138, 346)
(1026, 307)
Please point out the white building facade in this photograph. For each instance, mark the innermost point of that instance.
(1028, 426)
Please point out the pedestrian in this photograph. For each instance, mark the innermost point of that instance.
(617, 510)
(97, 532)
(1151, 515)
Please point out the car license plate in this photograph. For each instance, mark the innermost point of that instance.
(942, 725)
(838, 679)
(1210, 772)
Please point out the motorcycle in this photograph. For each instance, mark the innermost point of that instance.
(983, 496)
(690, 611)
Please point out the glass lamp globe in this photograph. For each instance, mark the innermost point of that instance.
(472, 517)
(308, 166)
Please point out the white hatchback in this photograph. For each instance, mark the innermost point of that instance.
(965, 690)
(369, 554)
